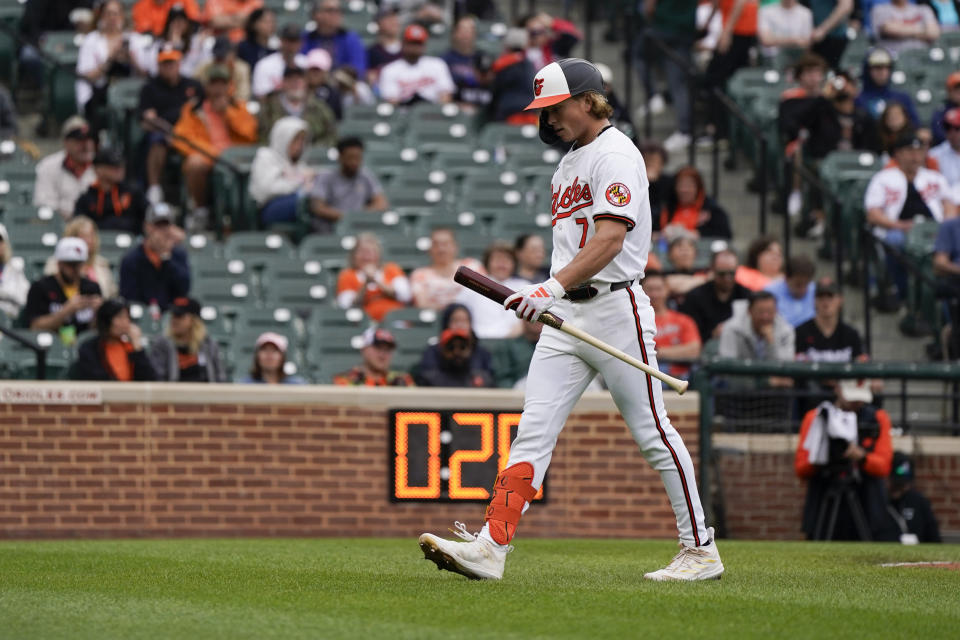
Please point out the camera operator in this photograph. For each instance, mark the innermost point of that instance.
(845, 449)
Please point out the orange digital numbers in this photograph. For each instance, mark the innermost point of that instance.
(432, 467)
(456, 490)
(402, 424)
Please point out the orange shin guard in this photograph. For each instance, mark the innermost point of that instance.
(511, 492)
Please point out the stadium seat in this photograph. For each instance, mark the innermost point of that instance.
(123, 96)
(204, 265)
(115, 244)
(225, 293)
(279, 320)
(501, 134)
(463, 162)
(332, 250)
(432, 136)
(233, 203)
(256, 248)
(300, 295)
(354, 222)
(406, 252)
(35, 239)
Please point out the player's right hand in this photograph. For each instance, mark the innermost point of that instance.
(534, 299)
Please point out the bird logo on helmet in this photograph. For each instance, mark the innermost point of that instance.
(558, 81)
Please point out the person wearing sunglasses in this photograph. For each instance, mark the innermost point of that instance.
(711, 303)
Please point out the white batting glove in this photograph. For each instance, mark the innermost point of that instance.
(535, 299)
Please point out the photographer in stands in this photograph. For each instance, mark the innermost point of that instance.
(844, 452)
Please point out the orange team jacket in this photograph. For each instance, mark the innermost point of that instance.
(878, 460)
(150, 17)
(241, 127)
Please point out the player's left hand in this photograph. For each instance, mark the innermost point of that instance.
(535, 299)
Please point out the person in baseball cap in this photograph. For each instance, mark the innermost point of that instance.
(416, 77)
(947, 153)
(65, 299)
(952, 101)
(377, 347)
(270, 364)
(187, 353)
(562, 118)
(65, 174)
(916, 516)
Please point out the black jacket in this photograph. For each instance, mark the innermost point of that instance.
(435, 371)
(168, 101)
(140, 281)
(825, 124)
(117, 209)
(89, 364)
(513, 76)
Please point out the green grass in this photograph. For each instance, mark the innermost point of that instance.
(376, 588)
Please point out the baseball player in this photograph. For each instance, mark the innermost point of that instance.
(601, 236)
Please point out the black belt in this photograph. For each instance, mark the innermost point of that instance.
(587, 292)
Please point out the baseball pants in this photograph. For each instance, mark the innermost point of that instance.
(563, 366)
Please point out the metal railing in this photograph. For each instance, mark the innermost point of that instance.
(39, 351)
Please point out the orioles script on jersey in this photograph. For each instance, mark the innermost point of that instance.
(573, 198)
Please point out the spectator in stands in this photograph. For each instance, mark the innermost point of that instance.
(946, 261)
(785, 26)
(433, 286)
(110, 201)
(116, 353)
(65, 301)
(150, 16)
(269, 362)
(661, 183)
(96, 268)
(64, 175)
(620, 117)
(350, 187)
(764, 263)
(825, 338)
(877, 93)
(207, 126)
(318, 81)
(161, 101)
(893, 122)
(512, 78)
(156, 272)
(367, 283)
(261, 27)
(268, 74)
(911, 509)
(229, 17)
(794, 292)
(295, 100)
(848, 441)
(901, 25)
(759, 334)
(279, 176)
(469, 68)
(739, 35)
(829, 37)
(898, 196)
(677, 335)
(674, 23)
(40, 17)
(13, 283)
(8, 115)
(689, 207)
(344, 46)
(352, 89)
(179, 34)
(457, 360)
(952, 102)
(550, 38)
(711, 304)
(531, 258)
(377, 352)
(187, 353)
(511, 358)
(415, 77)
(683, 274)
(489, 320)
(104, 54)
(947, 153)
(386, 48)
(225, 54)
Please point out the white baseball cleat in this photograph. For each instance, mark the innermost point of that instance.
(476, 558)
(692, 563)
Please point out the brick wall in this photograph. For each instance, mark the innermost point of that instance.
(764, 498)
(161, 460)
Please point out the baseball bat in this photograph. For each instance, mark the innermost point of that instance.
(498, 293)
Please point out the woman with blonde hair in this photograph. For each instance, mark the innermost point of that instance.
(13, 283)
(377, 288)
(97, 268)
(187, 353)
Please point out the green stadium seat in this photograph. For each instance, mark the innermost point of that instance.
(332, 250)
(35, 239)
(279, 320)
(115, 244)
(408, 253)
(438, 135)
(256, 248)
(464, 162)
(233, 203)
(300, 295)
(204, 265)
(496, 134)
(354, 222)
(123, 96)
(225, 293)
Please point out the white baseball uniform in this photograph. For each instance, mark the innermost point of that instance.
(605, 179)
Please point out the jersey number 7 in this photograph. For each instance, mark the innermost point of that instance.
(583, 236)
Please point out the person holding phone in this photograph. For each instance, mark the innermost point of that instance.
(116, 352)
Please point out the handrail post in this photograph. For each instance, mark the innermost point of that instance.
(763, 191)
(838, 244)
(866, 247)
(692, 120)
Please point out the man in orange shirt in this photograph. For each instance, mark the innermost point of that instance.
(733, 50)
(229, 17)
(677, 334)
(377, 351)
(845, 446)
(205, 129)
(150, 16)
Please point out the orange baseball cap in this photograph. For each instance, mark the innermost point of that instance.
(450, 334)
(953, 79)
(415, 33)
(167, 54)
